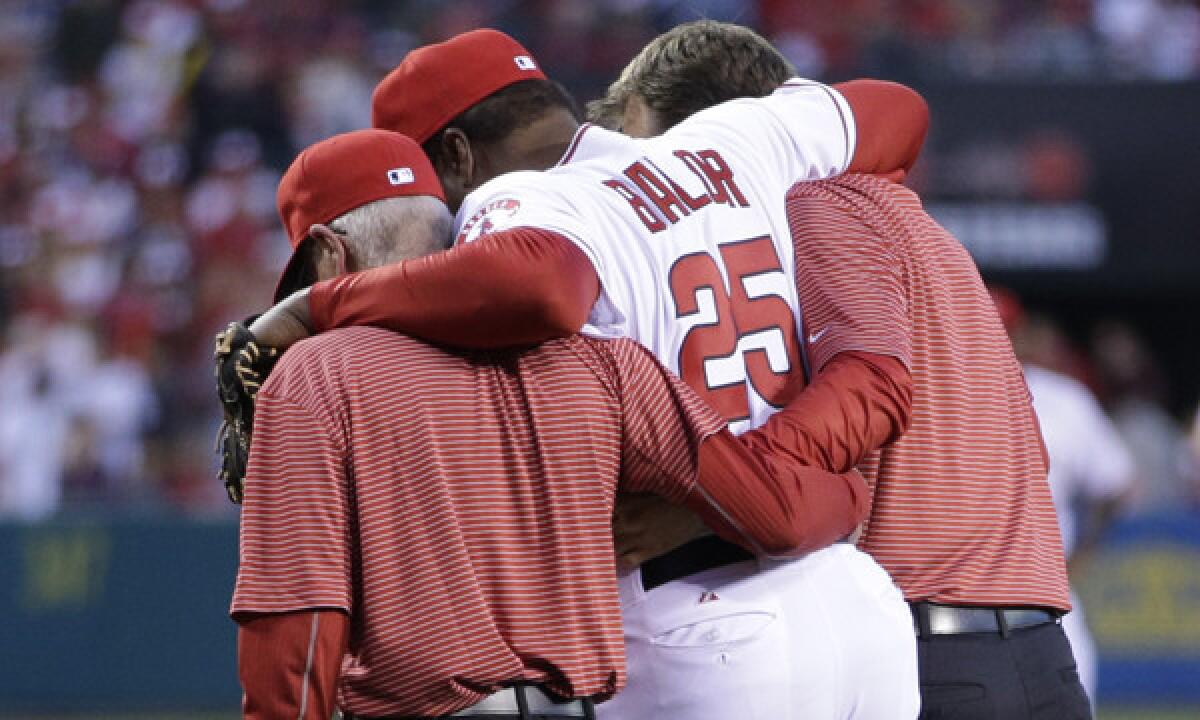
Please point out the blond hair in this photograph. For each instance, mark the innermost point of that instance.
(691, 67)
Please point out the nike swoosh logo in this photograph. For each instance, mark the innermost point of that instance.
(813, 337)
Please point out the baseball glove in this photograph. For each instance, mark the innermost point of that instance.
(242, 368)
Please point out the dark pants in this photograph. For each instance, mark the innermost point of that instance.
(985, 676)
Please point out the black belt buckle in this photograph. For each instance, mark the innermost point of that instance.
(690, 558)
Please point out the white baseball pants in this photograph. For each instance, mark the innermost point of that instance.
(823, 637)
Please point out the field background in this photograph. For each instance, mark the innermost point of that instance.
(127, 618)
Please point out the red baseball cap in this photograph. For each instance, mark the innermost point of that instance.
(434, 84)
(332, 177)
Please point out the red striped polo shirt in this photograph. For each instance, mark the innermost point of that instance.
(962, 512)
(458, 508)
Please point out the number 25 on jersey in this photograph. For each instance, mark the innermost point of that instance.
(752, 342)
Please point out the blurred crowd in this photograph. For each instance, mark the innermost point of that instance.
(1119, 425)
(141, 142)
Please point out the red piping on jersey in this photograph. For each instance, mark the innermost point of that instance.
(570, 153)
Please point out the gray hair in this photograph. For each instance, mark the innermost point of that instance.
(394, 229)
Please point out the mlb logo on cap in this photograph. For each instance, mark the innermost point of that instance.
(338, 174)
(400, 176)
(524, 62)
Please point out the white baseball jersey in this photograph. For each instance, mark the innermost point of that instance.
(1088, 458)
(688, 235)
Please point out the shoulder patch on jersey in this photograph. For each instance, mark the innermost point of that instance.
(485, 218)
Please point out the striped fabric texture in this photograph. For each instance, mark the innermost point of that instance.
(458, 507)
(962, 512)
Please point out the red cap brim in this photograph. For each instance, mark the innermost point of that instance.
(297, 275)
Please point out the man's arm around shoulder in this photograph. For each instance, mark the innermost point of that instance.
(675, 446)
(514, 287)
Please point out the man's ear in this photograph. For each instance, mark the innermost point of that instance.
(462, 159)
(330, 257)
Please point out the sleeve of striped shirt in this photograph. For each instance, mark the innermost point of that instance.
(664, 423)
(296, 543)
(850, 279)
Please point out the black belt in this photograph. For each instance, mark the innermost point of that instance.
(519, 702)
(933, 619)
(690, 558)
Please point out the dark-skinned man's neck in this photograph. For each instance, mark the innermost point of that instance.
(538, 145)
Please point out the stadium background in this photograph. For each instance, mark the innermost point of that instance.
(140, 144)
